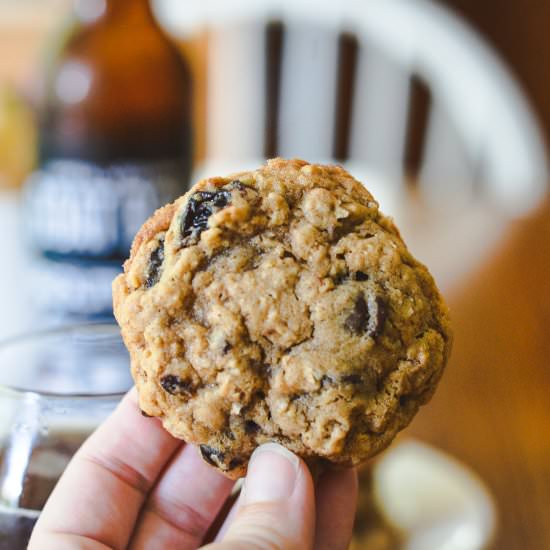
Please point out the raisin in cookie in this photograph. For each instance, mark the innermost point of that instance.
(280, 305)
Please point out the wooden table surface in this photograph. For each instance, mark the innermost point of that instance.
(493, 407)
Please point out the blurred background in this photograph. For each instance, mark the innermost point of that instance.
(110, 108)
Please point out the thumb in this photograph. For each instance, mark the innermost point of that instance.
(277, 505)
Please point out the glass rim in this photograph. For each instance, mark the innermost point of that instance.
(44, 333)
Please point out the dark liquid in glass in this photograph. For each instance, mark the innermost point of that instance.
(48, 460)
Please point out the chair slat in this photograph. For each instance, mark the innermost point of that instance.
(308, 92)
(236, 95)
(420, 104)
(380, 113)
(348, 51)
(275, 33)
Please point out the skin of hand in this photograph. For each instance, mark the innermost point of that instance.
(132, 485)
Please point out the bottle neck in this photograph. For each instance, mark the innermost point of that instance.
(131, 11)
(130, 8)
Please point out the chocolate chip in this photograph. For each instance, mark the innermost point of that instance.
(234, 463)
(200, 207)
(358, 319)
(339, 278)
(368, 317)
(287, 254)
(250, 427)
(143, 413)
(354, 379)
(211, 455)
(155, 264)
(227, 347)
(175, 385)
(360, 276)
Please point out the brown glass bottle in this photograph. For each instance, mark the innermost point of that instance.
(115, 132)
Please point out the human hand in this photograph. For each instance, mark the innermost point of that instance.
(132, 485)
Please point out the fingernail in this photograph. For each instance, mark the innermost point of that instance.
(272, 474)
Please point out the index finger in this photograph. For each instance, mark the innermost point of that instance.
(100, 494)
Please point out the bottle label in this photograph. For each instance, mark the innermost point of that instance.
(73, 208)
(72, 287)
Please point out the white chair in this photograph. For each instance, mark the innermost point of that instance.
(483, 159)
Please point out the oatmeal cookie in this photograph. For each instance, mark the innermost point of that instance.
(280, 305)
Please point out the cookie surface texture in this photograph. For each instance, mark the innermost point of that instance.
(280, 305)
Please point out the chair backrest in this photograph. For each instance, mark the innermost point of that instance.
(395, 88)
(428, 96)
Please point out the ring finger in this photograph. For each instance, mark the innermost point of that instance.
(183, 504)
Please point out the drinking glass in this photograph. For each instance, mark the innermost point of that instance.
(56, 387)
